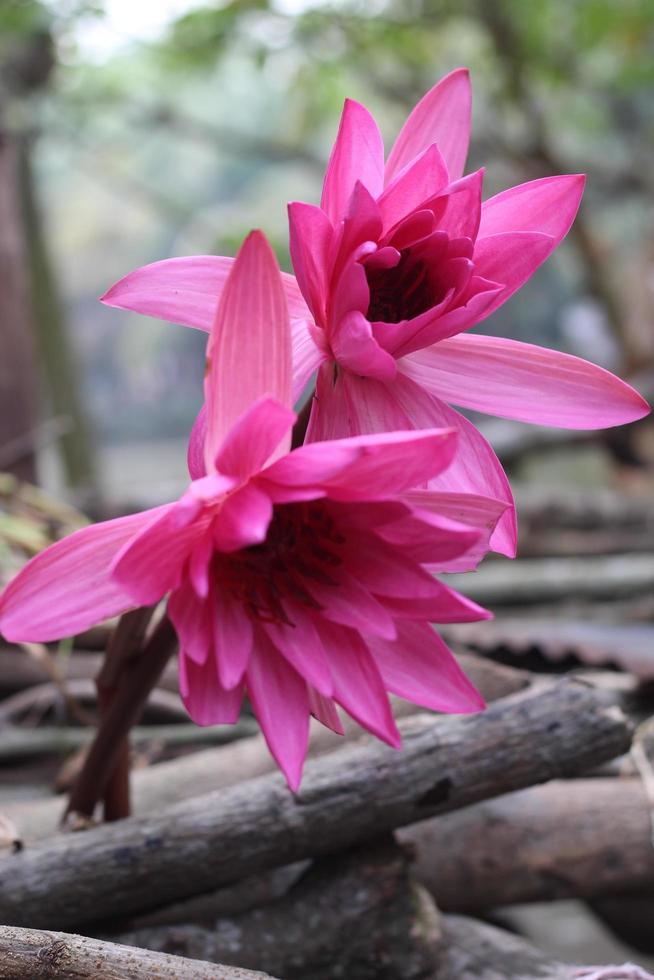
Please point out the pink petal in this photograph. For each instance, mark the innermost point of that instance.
(186, 290)
(206, 701)
(350, 604)
(324, 711)
(431, 538)
(300, 645)
(195, 450)
(68, 587)
(468, 509)
(525, 382)
(232, 638)
(191, 617)
(356, 349)
(509, 259)
(311, 234)
(420, 180)
(150, 563)
(281, 703)
(475, 468)
(199, 563)
(358, 686)
(418, 666)
(458, 209)
(442, 116)
(249, 349)
(358, 154)
(548, 205)
(307, 355)
(385, 569)
(447, 606)
(243, 519)
(261, 434)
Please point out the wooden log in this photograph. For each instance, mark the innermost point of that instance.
(26, 954)
(629, 916)
(217, 838)
(212, 769)
(18, 671)
(163, 706)
(357, 915)
(472, 950)
(540, 844)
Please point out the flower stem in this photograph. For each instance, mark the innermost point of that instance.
(302, 423)
(138, 676)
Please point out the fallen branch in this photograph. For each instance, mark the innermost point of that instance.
(540, 844)
(27, 953)
(169, 782)
(347, 796)
(44, 697)
(356, 915)
(18, 670)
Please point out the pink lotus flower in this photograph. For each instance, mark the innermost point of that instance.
(397, 262)
(302, 578)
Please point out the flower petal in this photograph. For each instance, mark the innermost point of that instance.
(232, 639)
(300, 645)
(358, 686)
(281, 703)
(358, 154)
(510, 259)
(458, 209)
(207, 702)
(324, 711)
(243, 519)
(261, 434)
(249, 349)
(417, 182)
(447, 606)
(356, 349)
(311, 234)
(548, 206)
(418, 666)
(525, 382)
(442, 116)
(68, 587)
(350, 604)
(191, 617)
(186, 290)
(195, 450)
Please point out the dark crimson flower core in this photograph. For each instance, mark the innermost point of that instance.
(302, 546)
(400, 293)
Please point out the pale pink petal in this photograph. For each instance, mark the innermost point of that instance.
(281, 703)
(447, 606)
(232, 636)
(243, 519)
(471, 510)
(358, 154)
(207, 702)
(356, 349)
(420, 180)
(300, 644)
(195, 450)
(324, 711)
(358, 686)
(475, 468)
(186, 290)
(307, 355)
(249, 349)
(510, 259)
(150, 564)
(442, 116)
(191, 617)
(310, 236)
(418, 666)
(68, 587)
(260, 435)
(547, 205)
(525, 382)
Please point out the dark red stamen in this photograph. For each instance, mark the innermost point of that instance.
(400, 293)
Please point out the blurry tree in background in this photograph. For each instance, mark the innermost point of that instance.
(181, 142)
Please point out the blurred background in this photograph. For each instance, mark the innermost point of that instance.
(131, 132)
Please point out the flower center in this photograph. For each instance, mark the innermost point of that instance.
(302, 546)
(400, 293)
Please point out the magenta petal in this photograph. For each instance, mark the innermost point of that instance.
(385, 569)
(307, 355)
(525, 382)
(446, 606)
(510, 259)
(243, 519)
(358, 686)
(258, 436)
(356, 349)
(207, 702)
(442, 116)
(416, 183)
(458, 209)
(249, 348)
(232, 635)
(324, 710)
(195, 450)
(430, 538)
(351, 604)
(548, 205)
(300, 644)
(311, 234)
(358, 154)
(68, 587)
(186, 290)
(475, 468)
(281, 703)
(191, 617)
(418, 666)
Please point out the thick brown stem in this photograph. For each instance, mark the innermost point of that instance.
(138, 678)
(301, 425)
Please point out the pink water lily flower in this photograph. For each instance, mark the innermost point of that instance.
(302, 578)
(394, 266)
